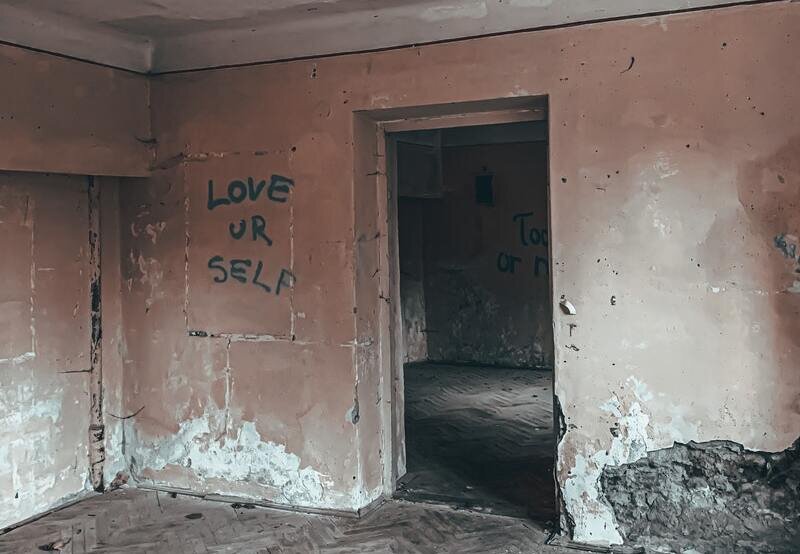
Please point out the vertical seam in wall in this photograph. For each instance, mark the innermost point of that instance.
(28, 214)
(386, 367)
(354, 291)
(354, 351)
(118, 229)
(149, 56)
(563, 521)
(96, 425)
(187, 240)
(150, 120)
(292, 318)
(227, 422)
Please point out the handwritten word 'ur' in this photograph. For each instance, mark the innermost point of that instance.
(507, 263)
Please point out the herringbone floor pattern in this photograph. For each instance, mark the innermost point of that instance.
(477, 437)
(482, 438)
(135, 520)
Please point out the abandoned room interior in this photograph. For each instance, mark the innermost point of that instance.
(344, 276)
(476, 318)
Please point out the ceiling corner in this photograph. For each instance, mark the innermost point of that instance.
(75, 38)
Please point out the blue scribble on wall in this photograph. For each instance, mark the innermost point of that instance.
(787, 244)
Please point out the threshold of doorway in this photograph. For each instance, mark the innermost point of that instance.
(465, 504)
(553, 539)
(475, 364)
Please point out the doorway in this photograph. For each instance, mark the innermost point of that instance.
(472, 226)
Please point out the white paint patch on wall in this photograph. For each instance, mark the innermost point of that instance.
(24, 357)
(795, 288)
(680, 429)
(518, 91)
(114, 461)
(27, 423)
(379, 101)
(152, 275)
(661, 21)
(594, 519)
(634, 434)
(153, 231)
(664, 166)
(240, 456)
(530, 3)
(470, 10)
(662, 192)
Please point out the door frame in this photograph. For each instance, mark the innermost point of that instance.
(373, 138)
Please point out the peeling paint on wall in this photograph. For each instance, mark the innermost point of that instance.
(531, 3)
(656, 203)
(476, 9)
(28, 489)
(633, 433)
(151, 275)
(789, 246)
(707, 497)
(44, 402)
(592, 516)
(210, 451)
(22, 358)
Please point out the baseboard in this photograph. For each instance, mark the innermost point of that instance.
(229, 499)
(371, 507)
(70, 501)
(465, 505)
(564, 542)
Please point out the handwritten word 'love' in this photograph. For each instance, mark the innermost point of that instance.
(239, 191)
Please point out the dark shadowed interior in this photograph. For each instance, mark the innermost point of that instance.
(477, 323)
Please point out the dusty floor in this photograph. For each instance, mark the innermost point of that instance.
(136, 520)
(478, 437)
(482, 438)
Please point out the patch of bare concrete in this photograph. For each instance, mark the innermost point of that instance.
(710, 497)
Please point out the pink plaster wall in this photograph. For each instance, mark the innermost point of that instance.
(44, 342)
(66, 116)
(77, 119)
(673, 148)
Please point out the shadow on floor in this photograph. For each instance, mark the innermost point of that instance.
(140, 521)
(480, 438)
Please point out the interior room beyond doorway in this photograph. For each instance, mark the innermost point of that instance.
(477, 317)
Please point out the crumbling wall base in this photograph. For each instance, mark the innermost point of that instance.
(712, 497)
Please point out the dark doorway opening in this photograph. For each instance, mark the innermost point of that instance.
(476, 310)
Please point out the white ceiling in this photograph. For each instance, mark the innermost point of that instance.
(167, 35)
